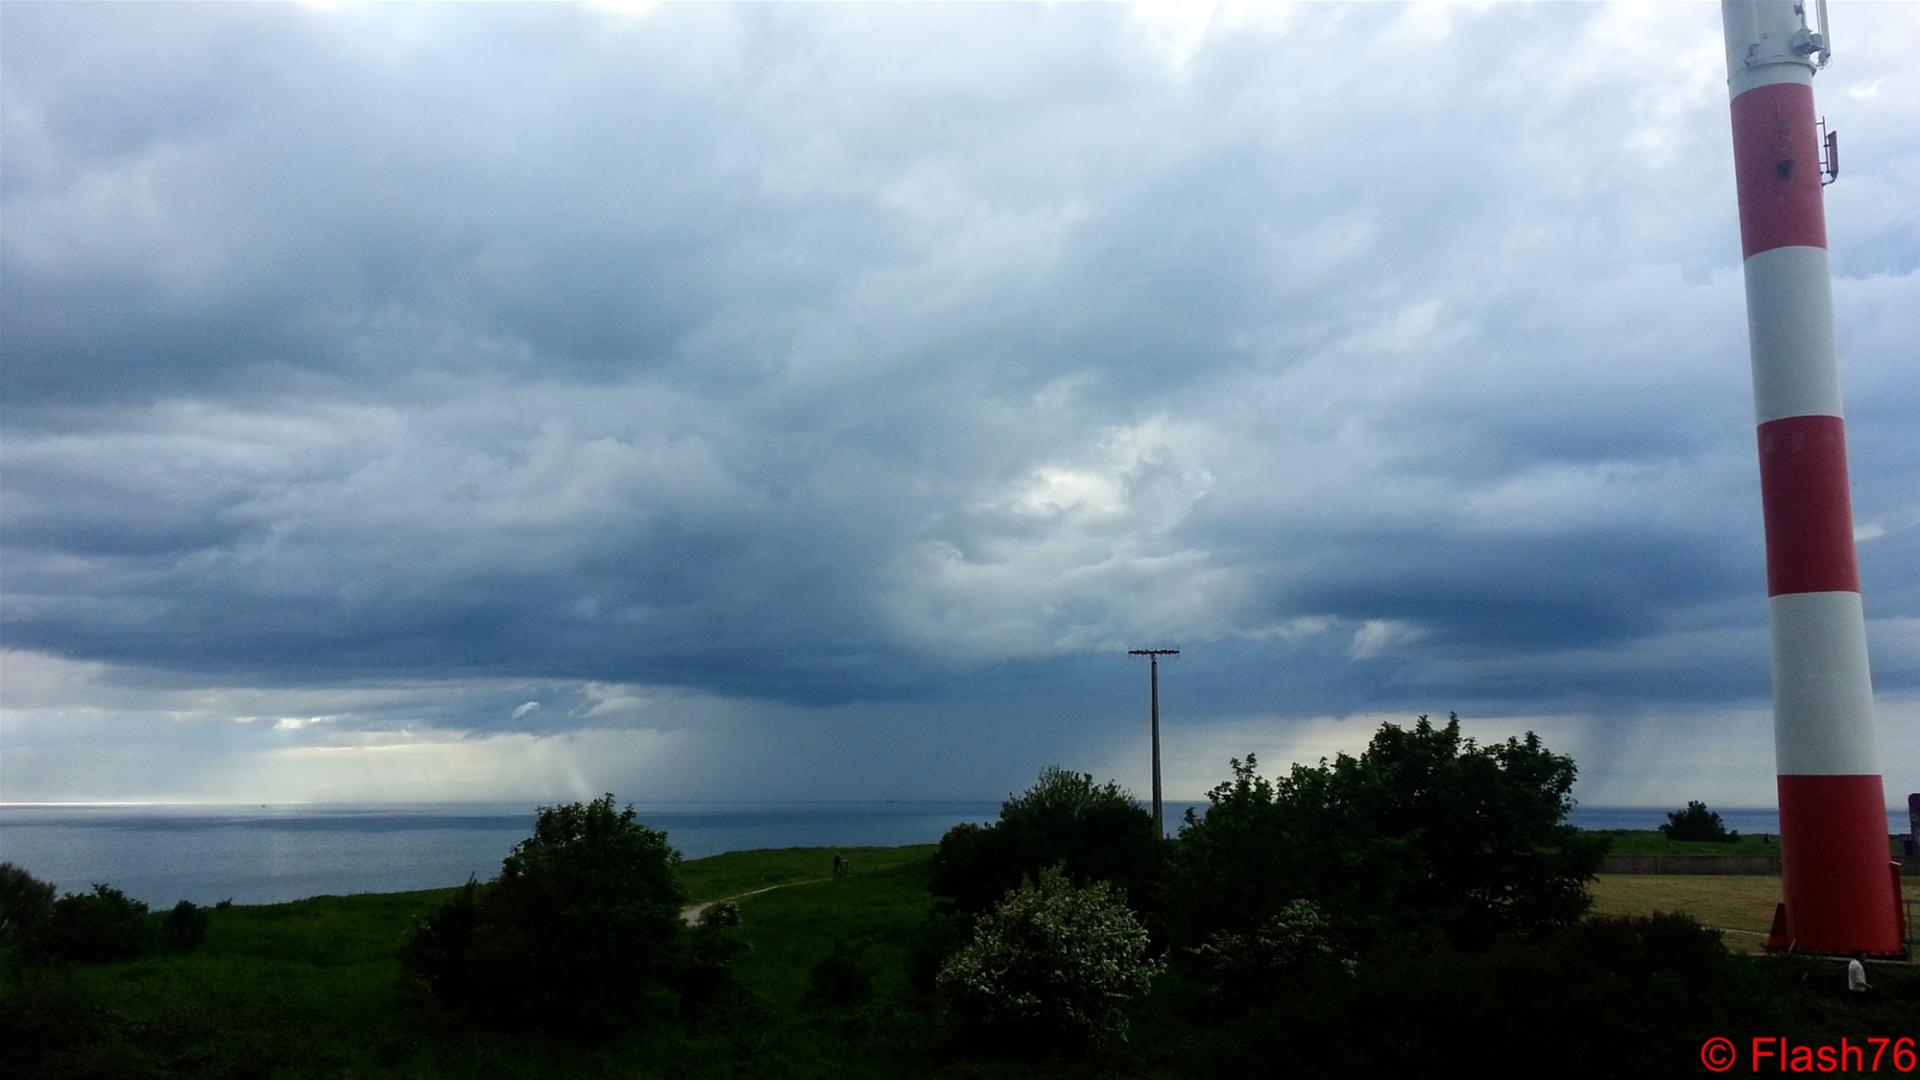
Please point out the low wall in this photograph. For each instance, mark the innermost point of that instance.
(1716, 864)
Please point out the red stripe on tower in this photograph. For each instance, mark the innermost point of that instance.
(1809, 516)
(1776, 162)
(1830, 828)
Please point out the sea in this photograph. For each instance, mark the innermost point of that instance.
(161, 854)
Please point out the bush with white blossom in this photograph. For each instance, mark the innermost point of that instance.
(1052, 961)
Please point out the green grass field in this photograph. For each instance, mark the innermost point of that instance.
(878, 909)
(738, 872)
(314, 988)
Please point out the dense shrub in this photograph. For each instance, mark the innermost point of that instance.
(841, 978)
(706, 980)
(1697, 822)
(185, 926)
(1094, 832)
(1052, 963)
(47, 1019)
(26, 902)
(1425, 830)
(1294, 946)
(439, 953)
(93, 927)
(1604, 997)
(946, 929)
(581, 924)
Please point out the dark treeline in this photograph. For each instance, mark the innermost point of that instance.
(1423, 902)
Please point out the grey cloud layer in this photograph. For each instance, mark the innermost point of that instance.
(831, 355)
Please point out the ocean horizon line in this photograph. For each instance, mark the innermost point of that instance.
(117, 804)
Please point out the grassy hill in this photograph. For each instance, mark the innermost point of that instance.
(314, 988)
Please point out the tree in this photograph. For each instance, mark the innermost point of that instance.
(185, 926)
(1425, 830)
(582, 920)
(26, 902)
(91, 928)
(1052, 961)
(1697, 822)
(1094, 832)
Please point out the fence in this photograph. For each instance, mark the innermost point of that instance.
(1716, 864)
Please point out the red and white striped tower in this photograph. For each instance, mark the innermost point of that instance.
(1841, 891)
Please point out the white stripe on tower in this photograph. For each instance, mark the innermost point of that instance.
(1841, 894)
(1790, 326)
(1822, 696)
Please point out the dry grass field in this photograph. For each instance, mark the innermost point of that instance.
(1738, 903)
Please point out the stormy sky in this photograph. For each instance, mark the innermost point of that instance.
(411, 403)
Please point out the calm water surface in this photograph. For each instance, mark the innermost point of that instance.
(268, 854)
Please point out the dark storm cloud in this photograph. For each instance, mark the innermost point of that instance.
(908, 357)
